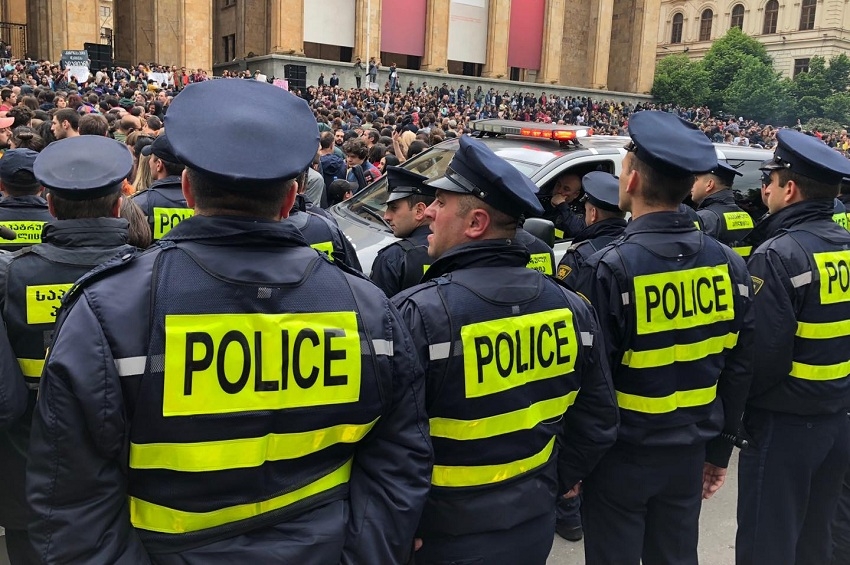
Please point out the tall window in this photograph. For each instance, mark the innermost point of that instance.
(738, 16)
(676, 35)
(705, 25)
(801, 66)
(771, 15)
(229, 47)
(807, 14)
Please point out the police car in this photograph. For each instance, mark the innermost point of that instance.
(544, 152)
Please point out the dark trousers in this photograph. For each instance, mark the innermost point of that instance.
(568, 512)
(643, 503)
(358, 79)
(19, 548)
(841, 525)
(789, 480)
(526, 544)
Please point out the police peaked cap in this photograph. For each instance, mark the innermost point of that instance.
(403, 183)
(476, 170)
(602, 190)
(270, 136)
(15, 160)
(671, 145)
(83, 167)
(162, 149)
(808, 156)
(726, 172)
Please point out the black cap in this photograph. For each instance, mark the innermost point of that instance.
(602, 190)
(271, 136)
(83, 167)
(16, 160)
(161, 147)
(476, 170)
(671, 145)
(726, 172)
(403, 183)
(808, 156)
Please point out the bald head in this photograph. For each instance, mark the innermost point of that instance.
(129, 122)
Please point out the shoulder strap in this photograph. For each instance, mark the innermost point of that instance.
(98, 273)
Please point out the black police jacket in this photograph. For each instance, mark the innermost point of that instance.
(33, 282)
(801, 277)
(26, 216)
(568, 218)
(200, 404)
(542, 256)
(401, 264)
(589, 241)
(517, 388)
(725, 221)
(325, 236)
(13, 391)
(164, 205)
(676, 310)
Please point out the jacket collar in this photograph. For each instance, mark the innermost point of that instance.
(612, 227)
(670, 222)
(726, 197)
(90, 232)
(236, 230)
(795, 214)
(30, 201)
(480, 254)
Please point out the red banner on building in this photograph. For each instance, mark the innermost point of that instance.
(403, 27)
(525, 42)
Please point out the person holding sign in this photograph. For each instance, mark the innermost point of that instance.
(230, 394)
(517, 387)
(84, 176)
(676, 311)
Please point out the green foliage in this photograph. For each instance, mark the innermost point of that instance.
(725, 59)
(838, 73)
(837, 107)
(808, 106)
(821, 124)
(756, 92)
(678, 80)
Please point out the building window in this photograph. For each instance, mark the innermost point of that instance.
(105, 12)
(738, 16)
(771, 15)
(229, 47)
(807, 15)
(801, 66)
(228, 3)
(676, 35)
(705, 25)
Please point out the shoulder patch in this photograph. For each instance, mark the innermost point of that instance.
(757, 284)
(564, 271)
(586, 299)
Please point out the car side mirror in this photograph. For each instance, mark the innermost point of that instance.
(543, 229)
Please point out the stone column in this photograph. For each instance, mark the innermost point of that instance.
(646, 24)
(602, 14)
(197, 35)
(436, 57)
(498, 32)
(553, 33)
(367, 30)
(62, 24)
(286, 21)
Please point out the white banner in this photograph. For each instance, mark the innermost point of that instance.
(79, 73)
(330, 22)
(468, 30)
(159, 78)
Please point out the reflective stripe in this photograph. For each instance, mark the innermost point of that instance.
(744, 290)
(820, 372)
(439, 351)
(680, 352)
(559, 233)
(823, 330)
(130, 366)
(522, 419)
(586, 339)
(665, 404)
(470, 476)
(155, 518)
(383, 347)
(31, 368)
(801, 280)
(626, 299)
(241, 453)
(743, 251)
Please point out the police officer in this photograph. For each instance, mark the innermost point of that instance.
(22, 208)
(722, 218)
(163, 202)
(676, 311)
(542, 256)
(401, 264)
(796, 414)
(514, 368)
(87, 231)
(605, 223)
(567, 210)
(321, 233)
(199, 403)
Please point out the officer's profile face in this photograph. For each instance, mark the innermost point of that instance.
(403, 218)
(448, 224)
(776, 197)
(700, 188)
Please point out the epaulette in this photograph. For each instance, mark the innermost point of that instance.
(115, 264)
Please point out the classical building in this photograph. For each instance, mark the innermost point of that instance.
(792, 32)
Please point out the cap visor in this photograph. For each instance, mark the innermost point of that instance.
(447, 184)
(770, 165)
(397, 196)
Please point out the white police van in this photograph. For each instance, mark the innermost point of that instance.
(544, 152)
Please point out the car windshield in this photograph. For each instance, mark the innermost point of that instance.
(370, 202)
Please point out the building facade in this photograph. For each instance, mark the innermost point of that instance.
(792, 32)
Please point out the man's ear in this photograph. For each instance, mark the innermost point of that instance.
(289, 200)
(186, 186)
(478, 223)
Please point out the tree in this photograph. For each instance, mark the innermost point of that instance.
(837, 107)
(678, 80)
(758, 92)
(726, 57)
(812, 83)
(838, 73)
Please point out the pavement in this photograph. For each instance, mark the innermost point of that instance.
(716, 541)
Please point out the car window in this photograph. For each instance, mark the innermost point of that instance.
(747, 188)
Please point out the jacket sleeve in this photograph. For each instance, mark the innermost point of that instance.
(598, 283)
(568, 221)
(710, 222)
(736, 376)
(386, 272)
(76, 479)
(391, 475)
(590, 424)
(13, 390)
(776, 321)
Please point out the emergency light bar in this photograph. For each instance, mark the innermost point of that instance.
(530, 129)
